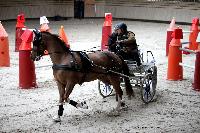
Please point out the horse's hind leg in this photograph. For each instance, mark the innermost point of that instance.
(115, 81)
(128, 86)
(82, 105)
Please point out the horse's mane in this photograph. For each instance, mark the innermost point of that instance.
(61, 42)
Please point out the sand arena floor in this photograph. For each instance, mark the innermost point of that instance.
(176, 107)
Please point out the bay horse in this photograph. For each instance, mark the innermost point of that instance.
(76, 67)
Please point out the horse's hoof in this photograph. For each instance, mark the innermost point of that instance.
(129, 97)
(82, 105)
(57, 119)
(123, 104)
(114, 112)
(133, 95)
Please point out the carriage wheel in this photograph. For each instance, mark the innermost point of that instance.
(105, 90)
(148, 85)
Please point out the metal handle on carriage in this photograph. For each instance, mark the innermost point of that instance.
(185, 65)
(153, 61)
(187, 50)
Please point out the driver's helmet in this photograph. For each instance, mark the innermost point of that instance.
(120, 25)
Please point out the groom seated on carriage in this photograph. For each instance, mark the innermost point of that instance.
(123, 43)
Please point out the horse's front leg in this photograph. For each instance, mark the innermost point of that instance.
(69, 88)
(61, 89)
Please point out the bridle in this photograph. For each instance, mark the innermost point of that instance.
(38, 45)
(39, 48)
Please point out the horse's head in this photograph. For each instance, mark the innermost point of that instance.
(38, 46)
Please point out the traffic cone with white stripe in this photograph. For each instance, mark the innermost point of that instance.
(170, 30)
(63, 36)
(44, 24)
(175, 71)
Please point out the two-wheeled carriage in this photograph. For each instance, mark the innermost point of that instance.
(143, 77)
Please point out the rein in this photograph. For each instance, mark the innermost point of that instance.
(56, 52)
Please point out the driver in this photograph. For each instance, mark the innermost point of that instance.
(123, 43)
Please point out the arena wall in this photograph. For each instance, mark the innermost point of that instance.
(35, 8)
(157, 10)
(128, 9)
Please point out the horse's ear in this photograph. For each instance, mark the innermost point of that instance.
(37, 34)
(36, 31)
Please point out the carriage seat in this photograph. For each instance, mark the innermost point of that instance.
(132, 66)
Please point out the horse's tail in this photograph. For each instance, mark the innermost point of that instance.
(125, 71)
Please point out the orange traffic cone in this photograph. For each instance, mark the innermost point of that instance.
(193, 45)
(19, 26)
(106, 31)
(3, 32)
(44, 24)
(172, 25)
(27, 76)
(20, 21)
(4, 48)
(198, 41)
(108, 19)
(44, 27)
(27, 38)
(175, 71)
(196, 84)
(63, 36)
(170, 30)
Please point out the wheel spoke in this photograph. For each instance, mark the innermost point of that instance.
(145, 96)
(149, 94)
(150, 82)
(105, 90)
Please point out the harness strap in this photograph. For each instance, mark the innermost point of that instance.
(65, 67)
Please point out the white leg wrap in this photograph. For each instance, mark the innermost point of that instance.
(57, 118)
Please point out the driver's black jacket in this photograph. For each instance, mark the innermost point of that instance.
(124, 45)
